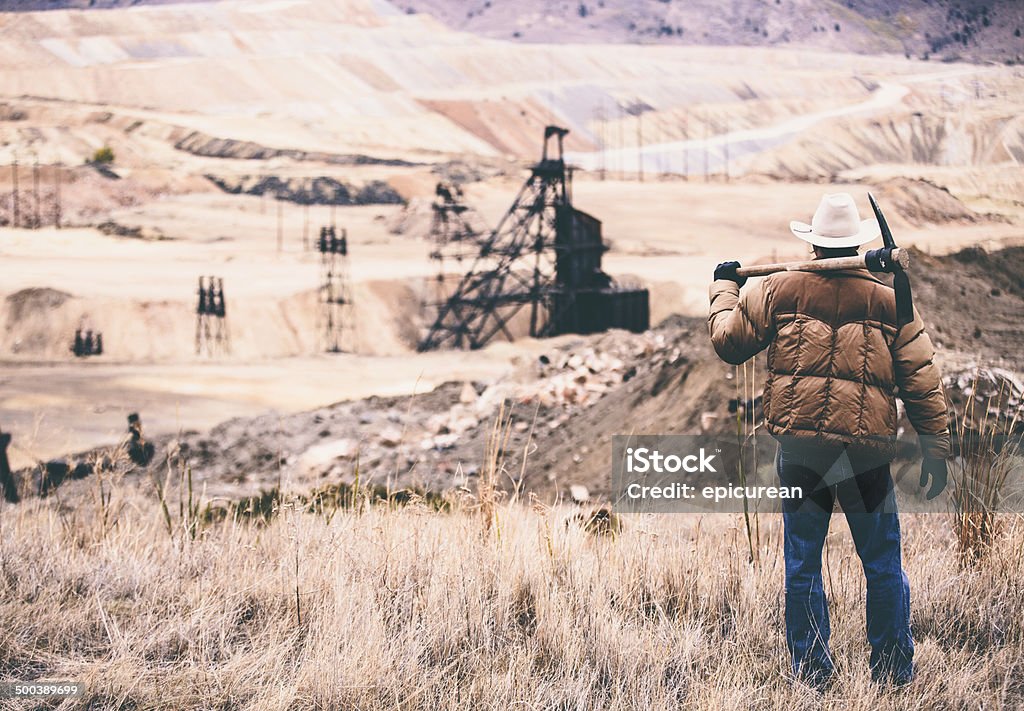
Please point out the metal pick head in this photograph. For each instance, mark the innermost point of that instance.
(887, 239)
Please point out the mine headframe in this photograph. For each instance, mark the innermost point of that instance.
(454, 224)
(512, 269)
(336, 314)
(538, 271)
(456, 234)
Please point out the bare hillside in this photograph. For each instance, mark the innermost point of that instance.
(218, 80)
(967, 29)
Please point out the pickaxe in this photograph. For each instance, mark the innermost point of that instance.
(888, 259)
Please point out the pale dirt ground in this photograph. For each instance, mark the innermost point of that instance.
(54, 408)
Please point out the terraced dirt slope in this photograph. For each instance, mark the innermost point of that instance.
(360, 77)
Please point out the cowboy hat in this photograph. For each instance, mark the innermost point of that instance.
(836, 223)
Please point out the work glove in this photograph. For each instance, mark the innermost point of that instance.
(939, 474)
(727, 270)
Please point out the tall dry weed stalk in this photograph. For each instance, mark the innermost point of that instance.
(990, 450)
(107, 472)
(746, 436)
(488, 491)
(189, 509)
(293, 534)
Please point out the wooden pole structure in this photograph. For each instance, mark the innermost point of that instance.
(725, 138)
(38, 222)
(686, 148)
(622, 141)
(280, 226)
(305, 226)
(56, 194)
(14, 190)
(706, 149)
(639, 140)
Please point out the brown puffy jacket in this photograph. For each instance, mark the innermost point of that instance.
(836, 360)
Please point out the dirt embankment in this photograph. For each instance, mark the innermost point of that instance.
(201, 144)
(39, 324)
(973, 302)
(931, 138)
(920, 202)
(76, 196)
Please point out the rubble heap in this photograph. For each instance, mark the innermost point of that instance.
(987, 397)
(582, 375)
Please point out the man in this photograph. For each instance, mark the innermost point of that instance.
(836, 360)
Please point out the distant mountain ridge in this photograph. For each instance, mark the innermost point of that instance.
(973, 30)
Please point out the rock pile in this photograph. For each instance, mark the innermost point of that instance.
(579, 377)
(445, 430)
(987, 396)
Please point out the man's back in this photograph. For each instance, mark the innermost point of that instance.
(835, 357)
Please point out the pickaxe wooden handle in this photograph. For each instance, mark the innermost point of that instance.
(869, 260)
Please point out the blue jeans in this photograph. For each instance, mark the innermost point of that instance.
(864, 488)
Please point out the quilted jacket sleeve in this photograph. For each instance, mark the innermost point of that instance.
(740, 325)
(920, 388)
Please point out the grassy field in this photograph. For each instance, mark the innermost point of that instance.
(481, 606)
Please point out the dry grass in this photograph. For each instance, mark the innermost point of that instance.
(384, 607)
(991, 446)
